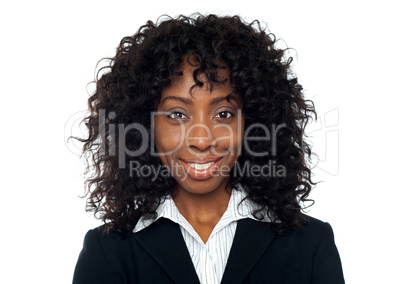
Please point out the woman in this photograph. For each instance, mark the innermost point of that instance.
(200, 168)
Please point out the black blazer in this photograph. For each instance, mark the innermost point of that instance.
(158, 254)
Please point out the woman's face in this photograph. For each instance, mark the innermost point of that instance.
(198, 136)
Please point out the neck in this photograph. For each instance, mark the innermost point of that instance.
(205, 208)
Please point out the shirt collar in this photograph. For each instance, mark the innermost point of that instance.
(239, 207)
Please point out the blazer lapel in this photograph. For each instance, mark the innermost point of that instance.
(251, 240)
(164, 242)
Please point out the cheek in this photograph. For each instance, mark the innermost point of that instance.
(232, 139)
(239, 134)
(167, 138)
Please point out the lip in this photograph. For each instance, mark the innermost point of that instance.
(201, 174)
(202, 160)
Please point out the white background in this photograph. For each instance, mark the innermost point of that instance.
(348, 60)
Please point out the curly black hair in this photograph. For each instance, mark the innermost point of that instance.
(129, 89)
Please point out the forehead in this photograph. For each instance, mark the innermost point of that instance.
(181, 85)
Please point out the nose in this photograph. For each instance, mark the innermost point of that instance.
(200, 137)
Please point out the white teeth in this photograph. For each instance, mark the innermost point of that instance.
(201, 167)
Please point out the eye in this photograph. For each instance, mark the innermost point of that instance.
(224, 115)
(176, 115)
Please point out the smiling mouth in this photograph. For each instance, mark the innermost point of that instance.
(201, 169)
(201, 164)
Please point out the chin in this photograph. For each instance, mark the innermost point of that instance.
(203, 186)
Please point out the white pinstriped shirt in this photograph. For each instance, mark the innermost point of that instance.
(210, 258)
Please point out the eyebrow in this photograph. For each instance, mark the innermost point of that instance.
(186, 101)
(179, 99)
(228, 98)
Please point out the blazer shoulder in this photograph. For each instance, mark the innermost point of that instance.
(314, 234)
(103, 235)
(315, 228)
(100, 256)
(317, 242)
(314, 223)
(92, 265)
